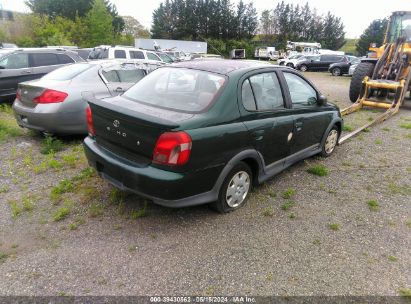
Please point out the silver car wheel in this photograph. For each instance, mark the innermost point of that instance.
(303, 68)
(331, 141)
(237, 189)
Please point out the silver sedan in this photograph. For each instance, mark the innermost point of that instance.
(54, 103)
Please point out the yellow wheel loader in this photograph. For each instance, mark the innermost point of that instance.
(383, 81)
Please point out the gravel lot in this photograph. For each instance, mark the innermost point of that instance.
(347, 233)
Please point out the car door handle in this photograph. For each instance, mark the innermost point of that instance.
(258, 135)
(299, 125)
(26, 72)
(119, 90)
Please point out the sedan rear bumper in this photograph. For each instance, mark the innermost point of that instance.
(166, 188)
(48, 118)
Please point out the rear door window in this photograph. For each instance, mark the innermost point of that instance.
(131, 76)
(120, 54)
(111, 76)
(266, 91)
(43, 59)
(15, 61)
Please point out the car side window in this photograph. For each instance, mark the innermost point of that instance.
(15, 61)
(43, 59)
(152, 56)
(247, 96)
(120, 54)
(64, 59)
(267, 91)
(131, 76)
(111, 76)
(136, 55)
(302, 93)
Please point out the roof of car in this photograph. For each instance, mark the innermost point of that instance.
(220, 66)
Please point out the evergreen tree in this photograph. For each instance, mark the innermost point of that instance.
(374, 33)
(99, 25)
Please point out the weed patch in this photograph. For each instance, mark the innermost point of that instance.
(268, 212)
(135, 214)
(319, 170)
(51, 145)
(287, 194)
(373, 205)
(287, 205)
(61, 214)
(334, 226)
(406, 126)
(64, 186)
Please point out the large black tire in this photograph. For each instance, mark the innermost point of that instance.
(222, 205)
(362, 70)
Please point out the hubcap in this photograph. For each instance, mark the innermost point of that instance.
(237, 189)
(303, 68)
(331, 141)
(336, 72)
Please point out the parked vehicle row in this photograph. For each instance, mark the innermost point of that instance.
(27, 64)
(55, 103)
(206, 131)
(337, 65)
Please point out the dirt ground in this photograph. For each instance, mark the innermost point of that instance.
(64, 231)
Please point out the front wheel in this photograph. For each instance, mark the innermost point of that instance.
(290, 65)
(330, 142)
(336, 72)
(235, 189)
(362, 70)
(303, 68)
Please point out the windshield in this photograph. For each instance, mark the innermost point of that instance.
(182, 90)
(67, 72)
(400, 26)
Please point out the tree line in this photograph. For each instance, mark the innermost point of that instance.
(199, 19)
(84, 23)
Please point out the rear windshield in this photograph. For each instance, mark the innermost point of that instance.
(67, 72)
(182, 90)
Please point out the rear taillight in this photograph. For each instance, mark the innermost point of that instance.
(51, 96)
(172, 148)
(89, 119)
(18, 94)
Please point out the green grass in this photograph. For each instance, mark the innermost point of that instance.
(287, 194)
(350, 46)
(334, 226)
(3, 257)
(272, 194)
(373, 205)
(70, 159)
(399, 189)
(268, 212)
(40, 168)
(5, 108)
(4, 189)
(405, 292)
(392, 258)
(116, 196)
(84, 174)
(292, 216)
(135, 214)
(287, 205)
(319, 170)
(51, 145)
(9, 129)
(28, 204)
(64, 186)
(408, 223)
(386, 129)
(348, 128)
(15, 208)
(378, 141)
(406, 126)
(61, 213)
(52, 162)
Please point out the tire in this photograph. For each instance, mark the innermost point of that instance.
(230, 196)
(290, 65)
(362, 70)
(303, 68)
(336, 72)
(330, 142)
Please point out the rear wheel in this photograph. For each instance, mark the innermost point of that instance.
(362, 70)
(303, 68)
(290, 65)
(235, 189)
(336, 72)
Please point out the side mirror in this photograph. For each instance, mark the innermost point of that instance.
(322, 100)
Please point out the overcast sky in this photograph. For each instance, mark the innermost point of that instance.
(355, 14)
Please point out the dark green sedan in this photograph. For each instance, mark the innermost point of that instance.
(206, 131)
